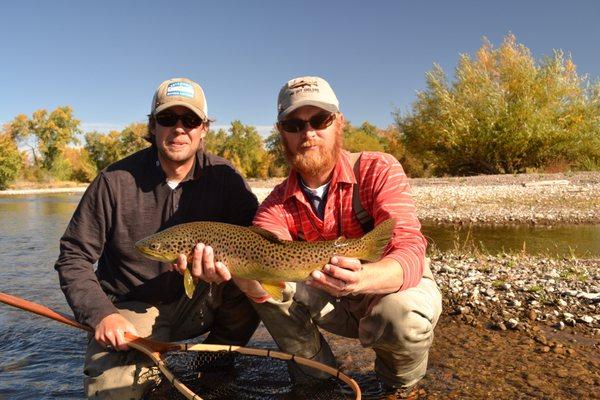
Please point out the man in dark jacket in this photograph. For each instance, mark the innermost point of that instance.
(171, 182)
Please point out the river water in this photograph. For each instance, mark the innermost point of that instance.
(42, 359)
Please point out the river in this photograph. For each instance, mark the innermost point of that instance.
(42, 359)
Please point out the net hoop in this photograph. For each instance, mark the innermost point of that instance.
(154, 349)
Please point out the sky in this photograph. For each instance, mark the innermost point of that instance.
(106, 59)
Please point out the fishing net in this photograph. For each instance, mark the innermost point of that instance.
(228, 375)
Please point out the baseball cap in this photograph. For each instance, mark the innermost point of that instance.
(180, 92)
(306, 91)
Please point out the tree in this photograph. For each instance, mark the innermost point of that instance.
(364, 138)
(105, 149)
(79, 167)
(244, 148)
(504, 113)
(11, 159)
(133, 138)
(215, 142)
(51, 132)
(277, 164)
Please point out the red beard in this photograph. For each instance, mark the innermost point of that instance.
(313, 162)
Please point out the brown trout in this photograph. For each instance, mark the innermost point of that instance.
(254, 253)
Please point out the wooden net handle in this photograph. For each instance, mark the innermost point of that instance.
(153, 348)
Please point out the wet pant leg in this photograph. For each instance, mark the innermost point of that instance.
(128, 375)
(290, 324)
(399, 327)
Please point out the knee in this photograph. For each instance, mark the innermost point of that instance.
(398, 323)
(409, 323)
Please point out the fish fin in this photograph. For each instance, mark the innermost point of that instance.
(188, 284)
(275, 289)
(271, 237)
(376, 241)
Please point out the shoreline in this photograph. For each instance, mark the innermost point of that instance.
(531, 199)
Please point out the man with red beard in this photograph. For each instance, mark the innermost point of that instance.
(392, 305)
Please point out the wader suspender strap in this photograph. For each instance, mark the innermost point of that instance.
(366, 221)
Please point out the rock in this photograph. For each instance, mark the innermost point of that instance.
(589, 296)
(512, 323)
(560, 325)
(514, 303)
(447, 269)
(561, 302)
(532, 315)
(586, 319)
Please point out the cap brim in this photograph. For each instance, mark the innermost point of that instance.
(325, 106)
(170, 104)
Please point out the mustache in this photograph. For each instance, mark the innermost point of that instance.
(309, 143)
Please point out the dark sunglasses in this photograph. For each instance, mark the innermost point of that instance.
(297, 125)
(169, 119)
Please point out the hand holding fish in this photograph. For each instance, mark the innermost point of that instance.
(339, 278)
(204, 267)
(346, 275)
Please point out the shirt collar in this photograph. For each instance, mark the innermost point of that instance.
(194, 173)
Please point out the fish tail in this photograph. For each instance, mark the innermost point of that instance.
(375, 242)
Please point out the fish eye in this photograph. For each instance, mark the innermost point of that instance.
(155, 246)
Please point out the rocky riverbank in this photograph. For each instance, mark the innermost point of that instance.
(513, 327)
(547, 199)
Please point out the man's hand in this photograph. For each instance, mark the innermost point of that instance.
(111, 331)
(204, 267)
(340, 277)
(346, 275)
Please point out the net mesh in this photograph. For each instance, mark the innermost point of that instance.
(229, 375)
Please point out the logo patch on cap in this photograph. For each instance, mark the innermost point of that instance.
(302, 83)
(182, 89)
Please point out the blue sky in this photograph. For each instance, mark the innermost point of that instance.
(105, 59)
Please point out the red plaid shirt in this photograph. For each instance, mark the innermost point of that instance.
(384, 193)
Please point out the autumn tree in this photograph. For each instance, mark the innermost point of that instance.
(243, 146)
(50, 133)
(277, 164)
(11, 159)
(363, 138)
(79, 166)
(504, 113)
(105, 149)
(214, 142)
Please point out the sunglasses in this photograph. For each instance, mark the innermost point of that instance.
(296, 125)
(169, 119)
